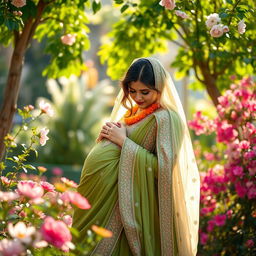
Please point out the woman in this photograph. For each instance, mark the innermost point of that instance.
(141, 178)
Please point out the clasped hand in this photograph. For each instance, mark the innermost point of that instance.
(115, 132)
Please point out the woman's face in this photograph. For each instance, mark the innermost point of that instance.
(142, 95)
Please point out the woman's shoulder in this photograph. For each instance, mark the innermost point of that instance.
(163, 114)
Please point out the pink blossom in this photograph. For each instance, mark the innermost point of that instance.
(168, 4)
(68, 220)
(30, 189)
(8, 196)
(46, 108)
(68, 39)
(5, 180)
(43, 136)
(19, 13)
(241, 27)
(252, 171)
(244, 144)
(223, 100)
(203, 238)
(209, 156)
(76, 199)
(216, 30)
(210, 225)
(249, 243)
(57, 171)
(56, 233)
(47, 186)
(220, 220)
(11, 247)
(181, 14)
(238, 171)
(251, 192)
(18, 3)
(241, 191)
(226, 132)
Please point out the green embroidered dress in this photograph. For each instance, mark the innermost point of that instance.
(129, 190)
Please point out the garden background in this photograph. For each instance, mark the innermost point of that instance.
(61, 62)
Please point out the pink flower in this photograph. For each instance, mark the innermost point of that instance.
(29, 188)
(43, 136)
(210, 225)
(216, 30)
(251, 192)
(19, 13)
(56, 233)
(238, 171)
(226, 132)
(181, 14)
(46, 108)
(76, 199)
(249, 243)
(68, 220)
(244, 144)
(8, 196)
(68, 39)
(220, 220)
(203, 238)
(47, 186)
(18, 3)
(209, 156)
(241, 191)
(5, 180)
(57, 171)
(21, 232)
(168, 4)
(11, 247)
(241, 27)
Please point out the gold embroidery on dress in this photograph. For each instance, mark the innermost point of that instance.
(165, 167)
(126, 200)
(106, 246)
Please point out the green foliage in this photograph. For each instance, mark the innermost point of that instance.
(75, 124)
(146, 26)
(51, 20)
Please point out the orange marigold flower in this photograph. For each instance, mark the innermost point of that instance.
(102, 231)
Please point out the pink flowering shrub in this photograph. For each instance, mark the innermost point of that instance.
(36, 215)
(228, 182)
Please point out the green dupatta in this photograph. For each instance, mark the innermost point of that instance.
(130, 191)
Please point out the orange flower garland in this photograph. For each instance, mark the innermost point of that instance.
(129, 120)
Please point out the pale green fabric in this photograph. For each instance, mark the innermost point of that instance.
(99, 184)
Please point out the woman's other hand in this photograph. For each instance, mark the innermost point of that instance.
(115, 132)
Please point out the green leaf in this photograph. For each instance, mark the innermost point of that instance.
(96, 6)
(119, 1)
(223, 15)
(124, 8)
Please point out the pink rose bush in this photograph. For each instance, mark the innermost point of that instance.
(228, 184)
(36, 215)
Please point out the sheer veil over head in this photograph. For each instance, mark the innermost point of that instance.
(185, 175)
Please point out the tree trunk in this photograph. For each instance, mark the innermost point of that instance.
(21, 42)
(210, 83)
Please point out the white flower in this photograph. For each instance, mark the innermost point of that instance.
(10, 247)
(46, 108)
(241, 26)
(212, 20)
(225, 29)
(21, 232)
(216, 30)
(43, 136)
(183, 15)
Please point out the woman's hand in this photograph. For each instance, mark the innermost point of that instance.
(115, 132)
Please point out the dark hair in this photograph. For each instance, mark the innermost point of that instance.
(141, 70)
